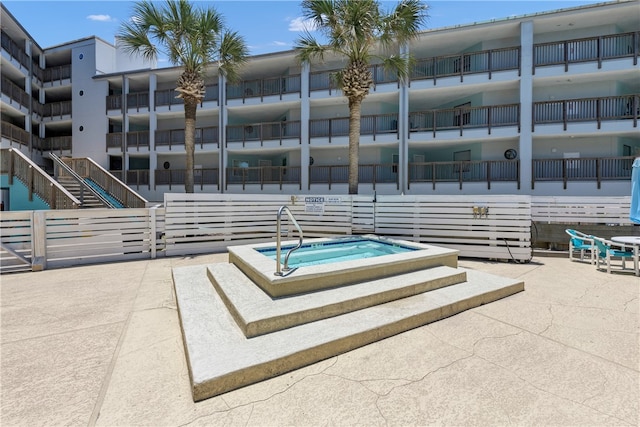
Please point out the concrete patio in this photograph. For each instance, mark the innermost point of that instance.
(101, 345)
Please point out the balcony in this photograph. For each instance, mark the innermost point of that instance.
(138, 100)
(59, 73)
(168, 97)
(582, 169)
(367, 174)
(465, 118)
(114, 140)
(175, 177)
(587, 50)
(259, 88)
(375, 125)
(626, 107)
(138, 139)
(263, 175)
(13, 49)
(261, 132)
(15, 92)
(486, 61)
(114, 102)
(137, 178)
(15, 134)
(465, 172)
(325, 80)
(57, 109)
(175, 137)
(53, 143)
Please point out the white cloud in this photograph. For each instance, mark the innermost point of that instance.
(277, 43)
(100, 18)
(301, 24)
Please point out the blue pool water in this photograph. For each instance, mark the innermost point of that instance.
(338, 250)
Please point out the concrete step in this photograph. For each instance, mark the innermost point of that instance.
(221, 358)
(256, 313)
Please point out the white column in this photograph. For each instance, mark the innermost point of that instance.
(305, 114)
(125, 126)
(525, 148)
(153, 125)
(403, 131)
(222, 131)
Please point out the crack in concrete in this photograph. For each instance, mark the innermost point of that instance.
(253, 402)
(550, 309)
(626, 304)
(538, 387)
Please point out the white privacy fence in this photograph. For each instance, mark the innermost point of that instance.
(480, 227)
(581, 210)
(493, 227)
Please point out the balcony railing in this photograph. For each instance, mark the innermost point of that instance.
(367, 174)
(114, 140)
(175, 137)
(138, 100)
(465, 171)
(114, 102)
(378, 124)
(259, 88)
(626, 107)
(169, 96)
(587, 50)
(325, 80)
(137, 178)
(137, 139)
(486, 61)
(56, 143)
(173, 177)
(582, 169)
(15, 134)
(465, 118)
(15, 92)
(58, 73)
(262, 175)
(52, 109)
(14, 50)
(266, 131)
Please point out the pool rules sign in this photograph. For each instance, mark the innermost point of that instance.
(316, 204)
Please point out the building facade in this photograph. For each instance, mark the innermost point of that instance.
(542, 104)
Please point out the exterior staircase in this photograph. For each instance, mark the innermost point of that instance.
(87, 199)
(94, 186)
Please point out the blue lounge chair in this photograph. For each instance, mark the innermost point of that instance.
(608, 250)
(583, 243)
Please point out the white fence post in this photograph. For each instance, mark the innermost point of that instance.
(39, 240)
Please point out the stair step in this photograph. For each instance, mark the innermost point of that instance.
(256, 313)
(221, 358)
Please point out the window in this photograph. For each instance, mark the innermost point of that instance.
(461, 156)
(460, 115)
(395, 159)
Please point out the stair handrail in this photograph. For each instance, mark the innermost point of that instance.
(278, 241)
(128, 197)
(58, 161)
(56, 196)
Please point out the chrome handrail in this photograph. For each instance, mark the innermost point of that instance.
(278, 242)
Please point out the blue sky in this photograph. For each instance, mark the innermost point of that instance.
(267, 25)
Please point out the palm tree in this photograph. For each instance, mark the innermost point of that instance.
(354, 29)
(191, 38)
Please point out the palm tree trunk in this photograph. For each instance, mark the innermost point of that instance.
(190, 106)
(354, 143)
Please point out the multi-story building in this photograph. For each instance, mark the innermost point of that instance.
(543, 104)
